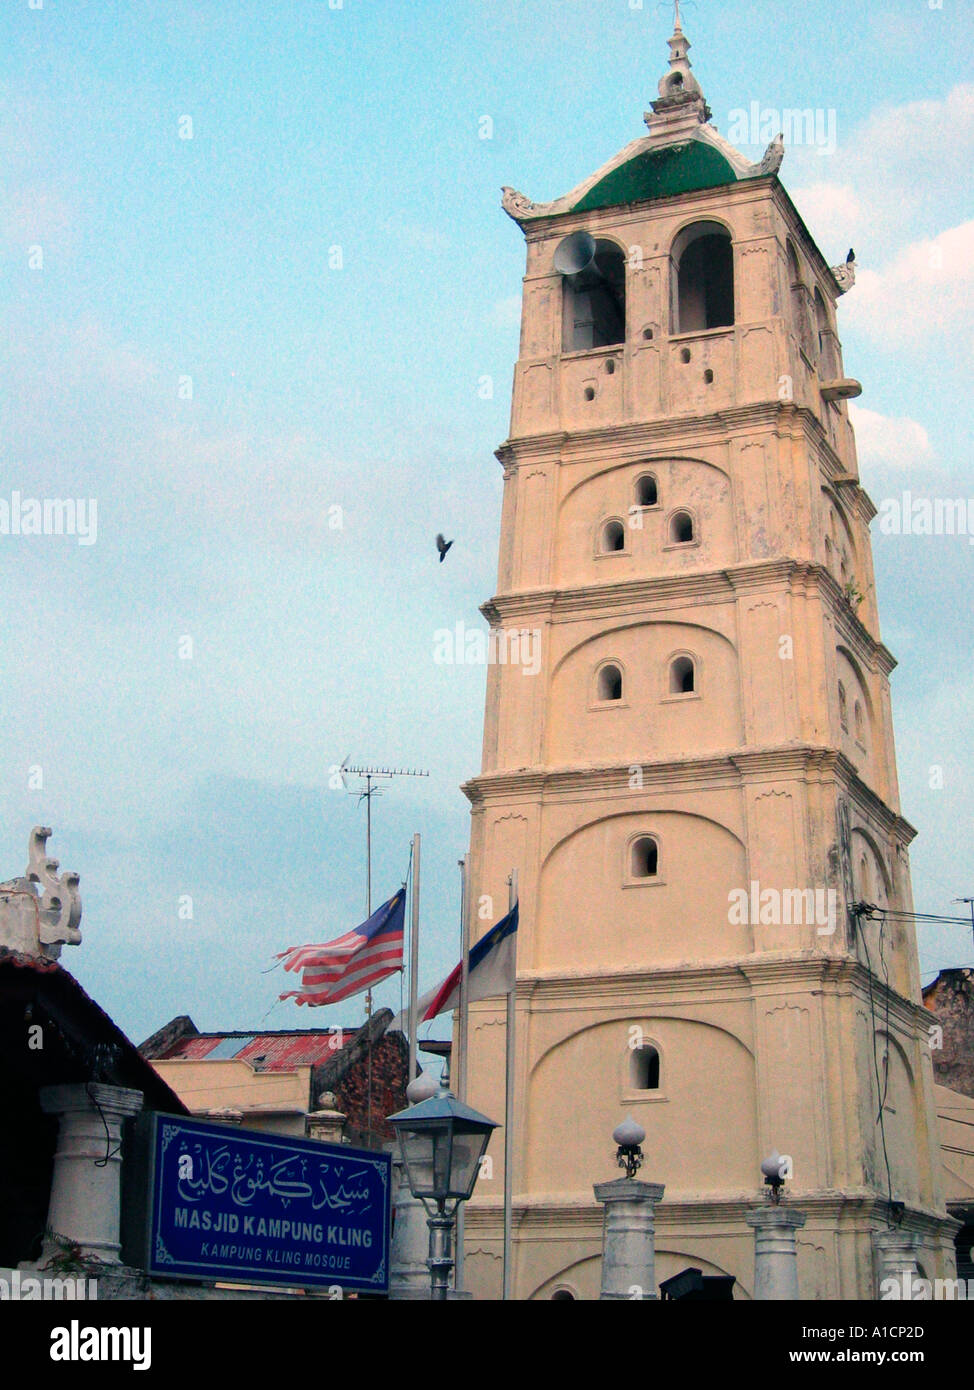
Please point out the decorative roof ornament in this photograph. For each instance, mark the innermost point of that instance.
(40, 923)
(516, 204)
(845, 275)
(683, 153)
(771, 160)
(680, 106)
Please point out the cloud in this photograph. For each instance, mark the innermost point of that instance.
(893, 161)
(506, 313)
(97, 353)
(834, 206)
(401, 232)
(887, 187)
(37, 216)
(886, 441)
(926, 292)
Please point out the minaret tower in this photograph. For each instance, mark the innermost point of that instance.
(699, 783)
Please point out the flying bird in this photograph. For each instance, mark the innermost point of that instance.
(442, 546)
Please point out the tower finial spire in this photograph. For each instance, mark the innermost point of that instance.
(680, 105)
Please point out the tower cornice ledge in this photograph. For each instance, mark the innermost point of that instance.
(685, 429)
(860, 497)
(727, 768)
(872, 805)
(533, 782)
(618, 441)
(813, 762)
(595, 599)
(688, 981)
(590, 600)
(545, 448)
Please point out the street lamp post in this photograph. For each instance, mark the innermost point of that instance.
(775, 1235)
(442, 1142)
(629, 1224)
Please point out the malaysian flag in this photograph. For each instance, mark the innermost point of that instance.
(353, 963)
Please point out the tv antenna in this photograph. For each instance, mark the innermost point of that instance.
(373, 778)
(373, 775)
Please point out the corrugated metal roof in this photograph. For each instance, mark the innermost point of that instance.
(192, 1049)
(265, 1051)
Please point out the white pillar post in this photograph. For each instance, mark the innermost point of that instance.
(327, 1123)
(409, 1275)
(409, 1272)
(86, 1184)
(629, 1238)
(775, 1251)
(225, 1115)
(896, 1256)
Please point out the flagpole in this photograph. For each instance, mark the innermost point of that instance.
(464, 1030)
(413, 960)
(463, 1033)
(368, 914)
(370, 774)
(509, 1109)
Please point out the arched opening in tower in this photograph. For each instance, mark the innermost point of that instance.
(595, 301)
(644, 1068)
(704, 270)
(610, 683)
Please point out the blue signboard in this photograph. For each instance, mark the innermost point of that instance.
(237, 1205)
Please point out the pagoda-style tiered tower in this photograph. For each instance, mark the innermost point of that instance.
(700, 782)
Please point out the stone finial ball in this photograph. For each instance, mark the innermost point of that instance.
(422, 1087)
(771, 1167)
(629, 1135)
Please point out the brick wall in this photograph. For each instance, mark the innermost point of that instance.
(951, 1000)
(389, 1065)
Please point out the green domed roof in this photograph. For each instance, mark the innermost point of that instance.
(660, 173)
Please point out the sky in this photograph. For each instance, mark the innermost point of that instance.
(260, 303)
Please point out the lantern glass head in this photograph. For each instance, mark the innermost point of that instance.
(442, 1143)
(417, 1154)
(468, 1149)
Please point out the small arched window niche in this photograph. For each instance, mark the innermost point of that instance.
(608, 684)
(702, 269)
(612, 537)
(642, 861)
(682, 676)
(644, 1068)
(646, 492)
(682, 529)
